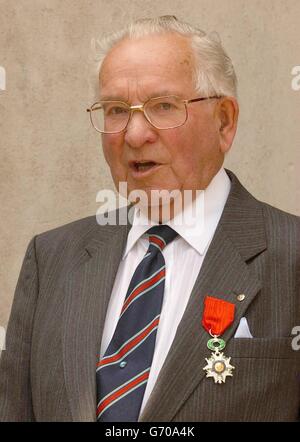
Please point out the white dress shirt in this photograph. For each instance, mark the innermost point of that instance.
(183, 257)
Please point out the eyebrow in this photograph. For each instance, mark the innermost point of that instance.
(161, 93)
(111, 98)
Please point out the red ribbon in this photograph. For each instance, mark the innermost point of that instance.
(217, 315)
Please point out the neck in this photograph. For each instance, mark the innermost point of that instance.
(164, 212)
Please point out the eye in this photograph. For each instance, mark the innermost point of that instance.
(116, 110)
(165, 106)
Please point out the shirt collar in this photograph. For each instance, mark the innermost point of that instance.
(197, 231)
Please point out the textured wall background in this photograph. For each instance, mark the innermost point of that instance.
(51, 164)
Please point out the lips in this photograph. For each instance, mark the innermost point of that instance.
(143, 167)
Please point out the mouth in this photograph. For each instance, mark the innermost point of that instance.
(143, 168)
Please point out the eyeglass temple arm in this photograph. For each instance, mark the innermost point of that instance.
(193, 100)
(95, 108)
(138, 107)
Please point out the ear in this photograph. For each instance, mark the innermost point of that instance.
(226, 118)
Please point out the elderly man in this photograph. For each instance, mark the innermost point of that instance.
(180, 321)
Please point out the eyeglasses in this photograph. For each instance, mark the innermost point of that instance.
(112, 117)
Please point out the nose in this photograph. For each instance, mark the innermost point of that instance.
(139, 131)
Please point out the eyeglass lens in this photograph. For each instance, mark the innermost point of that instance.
(162, 112)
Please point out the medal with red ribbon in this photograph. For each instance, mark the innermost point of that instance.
(218, 315)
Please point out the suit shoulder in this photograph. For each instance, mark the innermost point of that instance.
(282, 229)
(273, 215)
(70, 231)
(77, 233)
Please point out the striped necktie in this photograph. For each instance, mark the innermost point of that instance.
(123, 372)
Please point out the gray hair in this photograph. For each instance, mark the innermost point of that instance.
(214, 72)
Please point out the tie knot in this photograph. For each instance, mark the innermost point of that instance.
(161, 235)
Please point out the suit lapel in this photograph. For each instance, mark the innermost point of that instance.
(224, 274)
(87, 291)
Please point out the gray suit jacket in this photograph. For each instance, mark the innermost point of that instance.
(47, 372)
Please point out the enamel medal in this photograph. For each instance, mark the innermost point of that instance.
(217, 316)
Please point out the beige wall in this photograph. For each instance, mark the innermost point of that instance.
(51, 164)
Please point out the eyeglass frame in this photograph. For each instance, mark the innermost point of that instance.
(141, 108)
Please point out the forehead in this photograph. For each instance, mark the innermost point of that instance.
(155, 64)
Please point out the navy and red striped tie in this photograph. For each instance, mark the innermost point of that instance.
(123, 371)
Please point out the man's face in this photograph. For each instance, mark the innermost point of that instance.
(186, 157)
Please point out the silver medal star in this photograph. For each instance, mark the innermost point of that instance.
(218, 367)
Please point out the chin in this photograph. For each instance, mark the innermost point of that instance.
(154, 196)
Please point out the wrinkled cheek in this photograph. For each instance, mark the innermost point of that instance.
(112, 148)
(113, 154)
